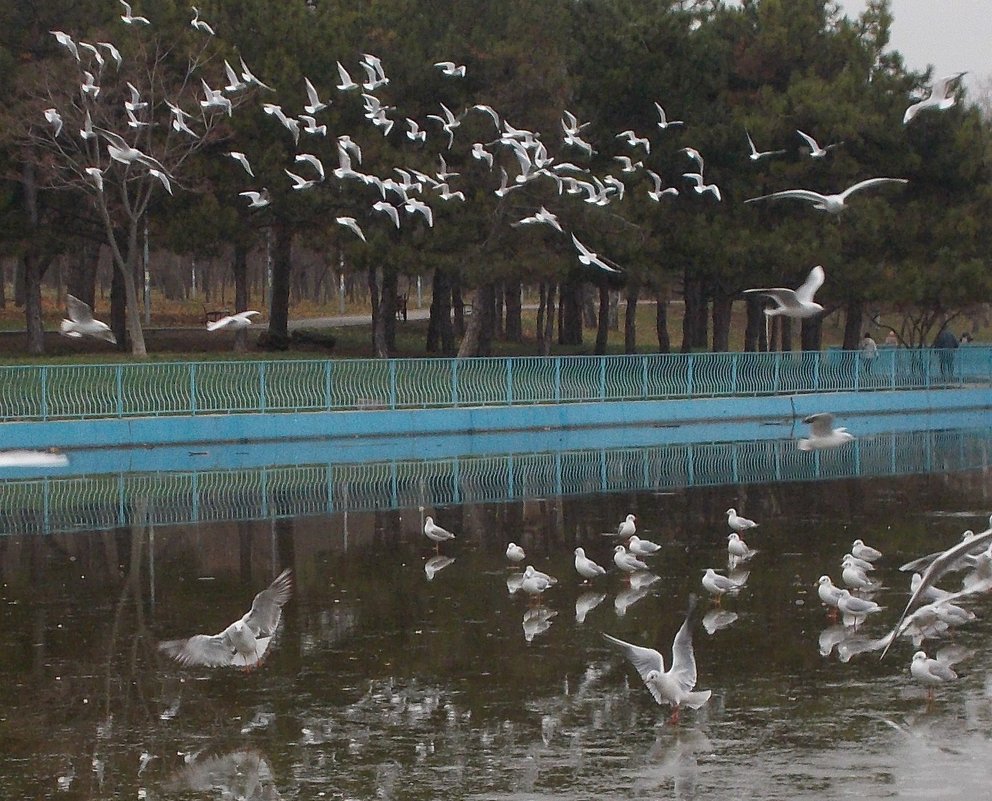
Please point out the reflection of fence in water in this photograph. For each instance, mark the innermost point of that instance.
(103, 502)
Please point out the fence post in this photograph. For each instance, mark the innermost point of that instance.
(192, 387)
(857, 370)
(817, 356)
(602, 378)
(557, 391)
(454, 382)
(733, 375)
(509, 380)
(328, 393)
(392, 383)
(261, 387)
(644, 377)
(688, 373)
(776, 376)
(44, 393)
(119, 380)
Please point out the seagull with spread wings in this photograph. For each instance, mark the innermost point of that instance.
(797, 303)
(832, 204)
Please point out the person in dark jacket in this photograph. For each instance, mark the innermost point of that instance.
(944, 344)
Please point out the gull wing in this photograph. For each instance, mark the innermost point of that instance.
(79, 312)
(643, 659)
(809, 140)
(785, 298)
(683, 658)
(940, 87)
(798, 194)
(266, 609)
(812, 283)
(938, 567)
(870, 182)
(208, 650)
(820, 425)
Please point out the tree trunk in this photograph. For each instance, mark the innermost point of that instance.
(458, 305)
(499, 294)
(811, 333)
(589, 317)
(239, 269)
(570, 313)
(754, 330)
(439, 330)
(282, 274)
(722, 315)
(661, 323)
(603, 324)
(470, 341)
(118, 309)
(630, 320)
(785, 331)
(545, 334)
(852, 325)
(693, 296)
(514, 330)
(3, 285)
(33, 272)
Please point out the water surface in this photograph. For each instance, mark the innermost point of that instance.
(385, 684)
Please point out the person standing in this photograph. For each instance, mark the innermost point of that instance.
(944, 344)
(869, 350)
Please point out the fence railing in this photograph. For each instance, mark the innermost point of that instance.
(188, 497)
(46, 392)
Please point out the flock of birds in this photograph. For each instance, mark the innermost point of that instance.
(408, 192)
(930, 613)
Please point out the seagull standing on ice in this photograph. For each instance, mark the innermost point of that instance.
(627, 527)
(435, 533)
(586, 567)
(738, 523)
(627, 562)
(515, 553)
(642, 547)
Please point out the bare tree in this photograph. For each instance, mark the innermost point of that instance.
(119, 126)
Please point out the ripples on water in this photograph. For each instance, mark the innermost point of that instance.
(385, 684)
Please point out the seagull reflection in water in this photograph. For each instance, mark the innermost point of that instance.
(537, 620)
(238, 774)
(436, 564)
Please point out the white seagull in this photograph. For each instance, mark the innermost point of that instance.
(663, 121)
(388, 209)
(590, 258)
(244, 642)
(822, 434)
(199, 24)
(313, 161)
(53, 117)
(257, 200)
(699, 185)
(586, 567)
(756, 154)
(450, 69)
(233, 321)
(346, 83)
(515, 553)
(642, 547)
(627, 527)
(866, 552)
(719, 585)
(940, 98)
(676, 685)
(738, 523)
(242, 159)
(797, 303)
(738, 549)
(832, 204)
(542, 215)
(815, 151)
(129, 18)
(66, 41)
(933, 672)
(314, 103)
(299, 182)
(658, 193)
(634, 140)
(435, 533)
(352, 223)
(82, 323)
(627, 562)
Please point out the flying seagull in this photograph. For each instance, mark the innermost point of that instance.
(759, 154)
(450, 69)
(940, 98)
(352, 223)
(822, 434)
(797, 303)
(591, 259)
(233, 321)
(82, 323)
(815, 151)
(245, 641)
(832, 204)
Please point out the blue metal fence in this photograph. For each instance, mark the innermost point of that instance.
(48, 392)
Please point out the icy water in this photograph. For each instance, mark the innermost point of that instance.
(400, 675)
